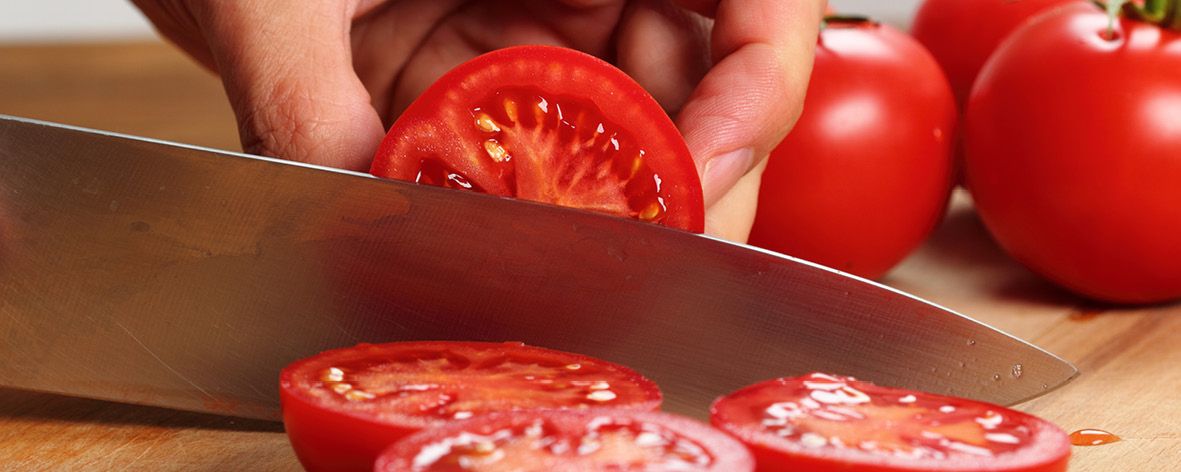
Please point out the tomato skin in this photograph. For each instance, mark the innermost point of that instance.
(326, 437)
(439, 125)
(962, 34)
(1046, 450)
(1079, 179)
(726, 453)
(325, 440)
(865, 174)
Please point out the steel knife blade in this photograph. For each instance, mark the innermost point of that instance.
(146, 272)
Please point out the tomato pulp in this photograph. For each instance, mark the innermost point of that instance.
(342, 407)
(551, 125)
(569, 442)
(821, 422)
(1072, 157)
(865, 174)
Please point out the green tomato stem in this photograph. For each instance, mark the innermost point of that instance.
(1153, 11)
(1113, 8)
(1174, 15)
(1163, 13)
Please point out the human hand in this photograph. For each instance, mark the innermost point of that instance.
(319, 81)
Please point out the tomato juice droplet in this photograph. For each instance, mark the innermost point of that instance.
(1092, 437)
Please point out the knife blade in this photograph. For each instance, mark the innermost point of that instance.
(147, 272)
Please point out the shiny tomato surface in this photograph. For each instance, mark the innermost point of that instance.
(551, 125)
(565, 441)
(1072, 158)
(962, 34)
(342, 407)
(865, 174)
(821, 423)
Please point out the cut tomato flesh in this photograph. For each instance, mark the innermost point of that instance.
(569, 441)
(843, 420)
(551, 125)
(827, 411)
(341, 408)
(600, 445)
(562, 150)
(445, 381)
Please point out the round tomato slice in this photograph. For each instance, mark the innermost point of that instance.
(821, 422)
(342, 407)
(568, 441)
(551, 125)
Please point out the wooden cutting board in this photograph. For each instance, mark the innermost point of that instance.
(1130, 357)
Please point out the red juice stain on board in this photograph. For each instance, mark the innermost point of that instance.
(1092, 437)
(1084, 315)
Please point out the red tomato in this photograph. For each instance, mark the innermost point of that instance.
(342, 407)
(825, 423)
(865, 174)
(1072, 154)
(551, 125)
(569, 442)
(962, 34)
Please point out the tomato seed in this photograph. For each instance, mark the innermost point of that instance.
(496, 151)
(486, 124)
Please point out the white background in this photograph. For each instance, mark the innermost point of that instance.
(84, 20)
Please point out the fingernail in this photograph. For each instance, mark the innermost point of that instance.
(722, 172)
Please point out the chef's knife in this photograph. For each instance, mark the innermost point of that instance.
(147, 272)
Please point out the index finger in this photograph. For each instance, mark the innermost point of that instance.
(744, 106)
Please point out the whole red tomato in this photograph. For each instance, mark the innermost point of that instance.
(864, 175)
(1073, 146)
(962, 34)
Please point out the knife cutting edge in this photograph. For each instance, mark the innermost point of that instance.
(147, 272)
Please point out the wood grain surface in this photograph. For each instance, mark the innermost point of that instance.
(1130, 357)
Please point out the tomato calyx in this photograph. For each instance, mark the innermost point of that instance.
(1163, 13)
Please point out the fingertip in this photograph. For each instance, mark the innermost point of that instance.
(291, 82)
(732, 215)
(296, 121)
(722, 172)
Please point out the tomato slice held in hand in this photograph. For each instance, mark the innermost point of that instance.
(565, 441)
(820, 423)
(551, 125)
(342, 407)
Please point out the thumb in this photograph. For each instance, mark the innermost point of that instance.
(289, 77)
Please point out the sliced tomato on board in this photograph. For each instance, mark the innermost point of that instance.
(551, 125)
(565, 441)
(821, 422)
(342, 407)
